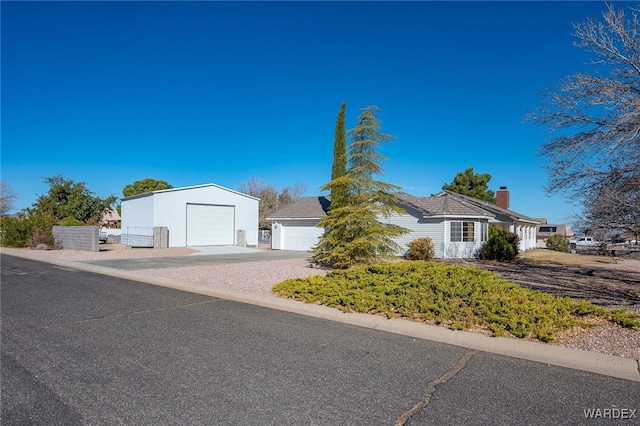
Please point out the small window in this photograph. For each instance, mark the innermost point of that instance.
(462, 232)
(548, 229)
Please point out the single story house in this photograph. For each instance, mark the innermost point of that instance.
(202, 215)
(110, 219)
(545, 230)
(458, 225)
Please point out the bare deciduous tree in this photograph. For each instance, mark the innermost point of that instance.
(594, 118)
(289, 194)
(7, 198)
(270, 199)
(614, 208)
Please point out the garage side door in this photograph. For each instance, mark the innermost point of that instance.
(210, 225)
(300, 237)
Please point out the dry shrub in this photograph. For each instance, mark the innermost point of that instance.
(41, 236)
(421, 249)
(558, 242)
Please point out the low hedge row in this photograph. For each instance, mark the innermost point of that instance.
(449, 295)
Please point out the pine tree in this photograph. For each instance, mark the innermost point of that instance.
(472, 184)
(356, 232)
(339, 167)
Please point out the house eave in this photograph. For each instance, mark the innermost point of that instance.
(457, 216)
(531, 222)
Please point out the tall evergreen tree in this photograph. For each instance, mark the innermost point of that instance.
(472, 184)
(339, 167)
(356, 229)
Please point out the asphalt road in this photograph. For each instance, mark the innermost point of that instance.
(82, 348)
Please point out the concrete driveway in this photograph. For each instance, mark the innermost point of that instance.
(217, 250)
(212, 255)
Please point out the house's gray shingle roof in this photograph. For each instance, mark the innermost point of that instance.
(488, 206)
(442, 205)
(304, 208)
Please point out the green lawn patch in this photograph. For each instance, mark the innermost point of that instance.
(449, 295)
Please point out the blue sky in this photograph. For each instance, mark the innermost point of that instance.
(108, 93)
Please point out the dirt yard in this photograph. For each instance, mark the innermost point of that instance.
(608, 282)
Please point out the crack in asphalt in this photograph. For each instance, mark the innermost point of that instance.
(103, 317)
(431, 388)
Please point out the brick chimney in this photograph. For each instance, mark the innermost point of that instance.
(502, 197)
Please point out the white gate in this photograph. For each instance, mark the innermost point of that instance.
(137, 237)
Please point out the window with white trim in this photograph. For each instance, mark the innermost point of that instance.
(462, 232)
(484, 231)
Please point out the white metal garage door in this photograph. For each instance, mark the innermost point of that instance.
(209, 225)
(300, 237)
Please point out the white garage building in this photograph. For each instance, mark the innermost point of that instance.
(203, 215)
(294, 227)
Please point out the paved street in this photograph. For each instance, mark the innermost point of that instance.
(83, 348)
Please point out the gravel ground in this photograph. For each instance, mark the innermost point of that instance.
(259, 278)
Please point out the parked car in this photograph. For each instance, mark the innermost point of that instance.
(584, 242)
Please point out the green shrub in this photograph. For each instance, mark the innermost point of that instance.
(501, 245)
(26, 231)
(14, 231)
(558, 242)
(625, 319)
(421, 249)
(453, 296)
(71, 221)
(584, 307)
